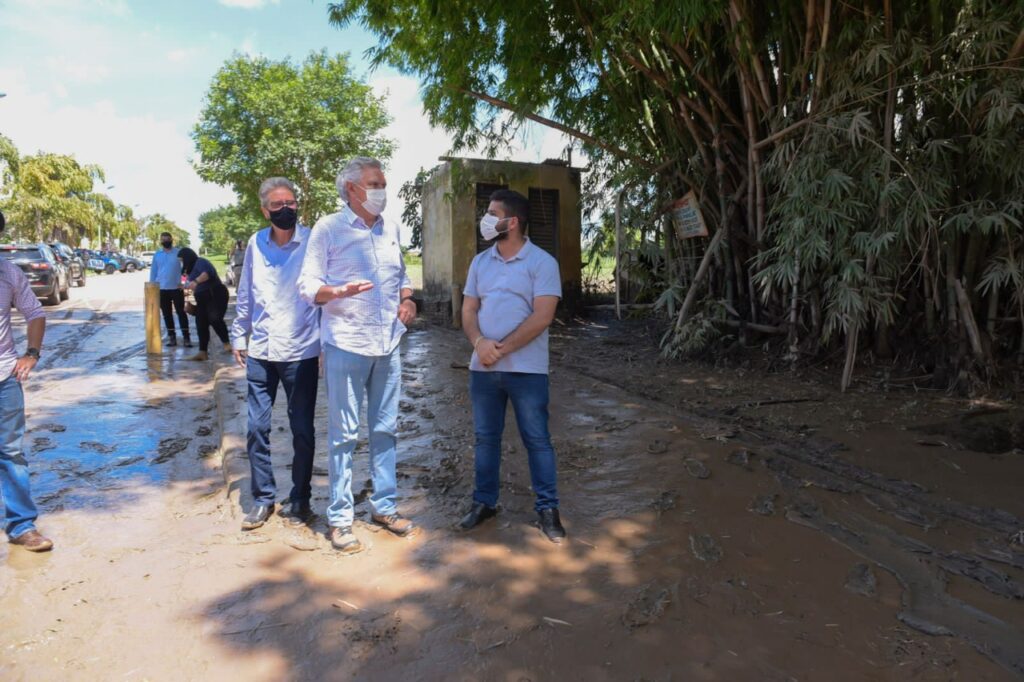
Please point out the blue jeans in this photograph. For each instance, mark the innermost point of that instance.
(350, 377)
(20, 510)
(490, 391)
(300, 379)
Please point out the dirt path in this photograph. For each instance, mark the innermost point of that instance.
(687, 559)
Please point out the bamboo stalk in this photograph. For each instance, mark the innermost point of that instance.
(970, 324)
(705, 264)
(851, 356)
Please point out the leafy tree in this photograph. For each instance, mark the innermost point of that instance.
(264, 118)
(51, 196)
(154, 225)
(220, 227)
(411, 193)
(858, 165)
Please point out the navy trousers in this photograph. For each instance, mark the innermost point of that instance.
(299, 379)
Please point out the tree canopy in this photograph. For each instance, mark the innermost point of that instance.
(48, 197)
(858, 165)
(221, 226)
(264, 118)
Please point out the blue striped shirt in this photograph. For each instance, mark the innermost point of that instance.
(343, 249)
(282, 326)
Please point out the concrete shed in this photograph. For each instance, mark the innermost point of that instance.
(457, 194)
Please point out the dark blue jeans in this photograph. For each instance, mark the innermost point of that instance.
(300, 379)
(20, 511)
(490, 392)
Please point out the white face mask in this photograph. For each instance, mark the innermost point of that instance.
(376, 200)
(489, 226)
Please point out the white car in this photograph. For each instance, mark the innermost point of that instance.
(147, 256)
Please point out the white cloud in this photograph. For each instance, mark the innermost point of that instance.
(146, 158)
(179, 55)
(248, 4)
(78, 70)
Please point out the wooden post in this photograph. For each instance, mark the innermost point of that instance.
(457, 305)
(154, 341)
(618, 255)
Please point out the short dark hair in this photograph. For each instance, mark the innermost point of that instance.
(167, 234)
(515, 205)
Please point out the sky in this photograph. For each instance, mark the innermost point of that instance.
(120, 83)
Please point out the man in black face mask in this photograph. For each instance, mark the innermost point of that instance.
(166, 270)
(276, 337)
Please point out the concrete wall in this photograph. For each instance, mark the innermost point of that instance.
(437, 239)
(450, 221)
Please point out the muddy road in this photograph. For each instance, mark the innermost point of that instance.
(714, 535)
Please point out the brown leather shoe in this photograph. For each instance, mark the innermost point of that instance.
(396, 523)
(343, 540)
(33, 541)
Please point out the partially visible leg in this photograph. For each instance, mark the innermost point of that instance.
(489, 399)
(300, 380)
(166, 300)
(219, 308)
(178, 299)
(384, 386)
(262, 379)
(529, 396)
(21, 513)
(346, 375)
(203, 319)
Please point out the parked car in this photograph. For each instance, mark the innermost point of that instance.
(147, 257)
(47, 277)
(72, 261)
(111, 263)
(130, 263)
(91, 259)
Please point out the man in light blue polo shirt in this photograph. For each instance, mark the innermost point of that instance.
(166, 270)
(276, 338)
(509, 301)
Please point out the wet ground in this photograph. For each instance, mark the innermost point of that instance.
(714, 534)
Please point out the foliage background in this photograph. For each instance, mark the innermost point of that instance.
(858, 164)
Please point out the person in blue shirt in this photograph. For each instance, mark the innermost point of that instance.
(166, 270)
(509, 301)
(276, 338)
(211, 299)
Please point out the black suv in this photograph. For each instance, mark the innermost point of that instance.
(72, 261)
(46, 275)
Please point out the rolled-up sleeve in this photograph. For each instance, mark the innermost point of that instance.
(406, 280)
(314, 265)
(241, 327)
(24, 300)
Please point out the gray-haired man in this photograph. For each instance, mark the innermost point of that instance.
(275, 337)
(354, 269)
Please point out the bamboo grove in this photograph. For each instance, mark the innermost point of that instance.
(859, 164)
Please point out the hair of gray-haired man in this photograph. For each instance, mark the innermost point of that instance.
(270, 184)
(353, 172)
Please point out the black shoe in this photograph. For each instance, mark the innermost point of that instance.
(478, 513)
(172, 340)
(188, 341)
(551, 525)
(299, 514)
(257, 516)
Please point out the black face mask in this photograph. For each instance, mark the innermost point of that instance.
(284, 218)
(166, 243)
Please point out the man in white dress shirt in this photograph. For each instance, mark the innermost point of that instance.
(354, 269)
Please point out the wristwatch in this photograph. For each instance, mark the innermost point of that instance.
(32, 353)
